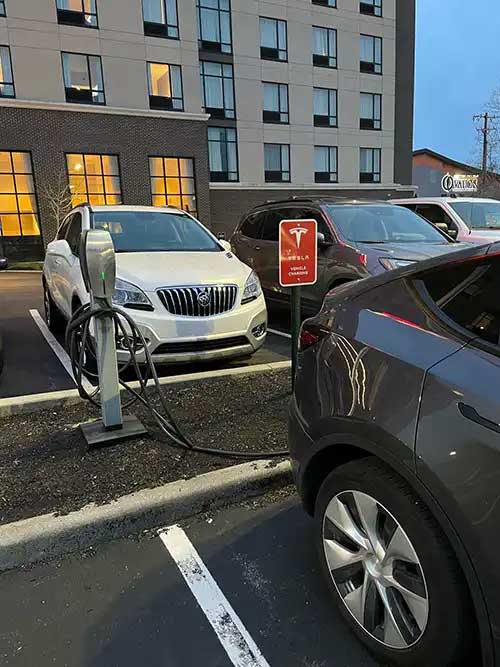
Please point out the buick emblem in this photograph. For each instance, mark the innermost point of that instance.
(204, 298)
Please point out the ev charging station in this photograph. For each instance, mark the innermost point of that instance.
(98, 265)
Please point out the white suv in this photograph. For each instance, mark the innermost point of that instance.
(190, 296)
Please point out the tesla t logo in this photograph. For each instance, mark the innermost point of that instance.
(298, 232)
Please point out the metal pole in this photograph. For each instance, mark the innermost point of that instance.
(296, 321)
(108, 370)
(485, 148)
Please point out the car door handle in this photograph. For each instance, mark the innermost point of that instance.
(471, 413)
(57, 261)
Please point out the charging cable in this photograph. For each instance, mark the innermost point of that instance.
(80, 344)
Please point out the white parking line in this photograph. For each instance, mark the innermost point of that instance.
(232, 634)
(57, 348)
(280, 333)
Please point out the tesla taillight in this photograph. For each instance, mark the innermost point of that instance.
(310, 335)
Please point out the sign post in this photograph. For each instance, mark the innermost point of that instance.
(298, 265)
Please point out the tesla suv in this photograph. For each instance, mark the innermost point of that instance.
(191, 297)
(395, 444)
(356, 239)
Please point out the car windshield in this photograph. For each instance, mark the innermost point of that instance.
(155, 231)
(478, 215)
(383, 223)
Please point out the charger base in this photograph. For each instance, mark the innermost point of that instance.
(96, 435)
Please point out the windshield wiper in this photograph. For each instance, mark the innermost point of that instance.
(377, 242)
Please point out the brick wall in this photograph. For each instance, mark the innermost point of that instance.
(50, 134)
(229, 206)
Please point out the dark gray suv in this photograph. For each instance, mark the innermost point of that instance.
(357, 239)
(395, 444)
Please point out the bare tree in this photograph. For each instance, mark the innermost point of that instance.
(493, 108)
(58, 197)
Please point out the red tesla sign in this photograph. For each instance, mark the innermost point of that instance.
(298, 252)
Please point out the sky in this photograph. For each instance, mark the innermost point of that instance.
(457, 68)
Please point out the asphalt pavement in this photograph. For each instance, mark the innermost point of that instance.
(134, 602)
(32, 366)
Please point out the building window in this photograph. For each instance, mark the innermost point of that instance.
(325, 107)
(325, 3)
(223, 154)
(273, 39)
(325, 47)
(370, 161)
(172, 183)
(165, 87)
(83, 78)
(371, 112)
(6, 77)
(373, 7)
(275, 103)
(371, 54)
(160, 18)
(94, 179)
(2, 8)
(277, 163)
(214, 25)
(325, 164)
(77, 12)
(218, 89)
(18, 206)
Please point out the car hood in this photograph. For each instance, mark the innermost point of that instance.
(150, 270)
(483, 236)
(411, 251)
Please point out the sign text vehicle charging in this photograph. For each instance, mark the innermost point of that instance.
(298, 265)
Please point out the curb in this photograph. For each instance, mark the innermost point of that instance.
(46, 537)
(18, 405)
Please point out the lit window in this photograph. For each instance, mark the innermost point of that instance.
(275, 103)
(77, 12)
(83, 80)
(325, 164)
(18, 206)
(325, 107)
(165, 86)
(325, 47)
(2, 7)
(160, 18)
(277, 163)
(6, 78)
(218, 89)
(172, 183)
(370, 161)
(373, 7)
(94, 179)
(370, 112)
(371, 54)
(223, 154)
(273, 39)
(214, 25)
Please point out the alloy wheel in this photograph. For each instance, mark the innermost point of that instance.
(375, 569)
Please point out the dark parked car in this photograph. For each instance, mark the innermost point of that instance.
(357, 239)
(395, 443)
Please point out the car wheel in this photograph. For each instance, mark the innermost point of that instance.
(53, 317)
(390, 568)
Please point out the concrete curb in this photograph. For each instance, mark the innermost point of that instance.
(18, 405)
(46, 537)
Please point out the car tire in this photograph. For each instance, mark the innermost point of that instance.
(384, 517)
(53, 316)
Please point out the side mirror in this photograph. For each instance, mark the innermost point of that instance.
(61, 247)
(226, 245)
(322, 242)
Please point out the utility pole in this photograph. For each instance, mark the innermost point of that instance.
(485, 130)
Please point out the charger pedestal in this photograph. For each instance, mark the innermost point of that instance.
(97, 435)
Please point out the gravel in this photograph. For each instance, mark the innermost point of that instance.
(45, 465)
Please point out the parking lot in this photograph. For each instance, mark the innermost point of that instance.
(126, 602)
(35, 362)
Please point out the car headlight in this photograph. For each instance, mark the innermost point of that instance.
(252, 288)
(391, 264)
(130, 296)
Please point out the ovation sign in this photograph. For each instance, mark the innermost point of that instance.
(457, 183)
